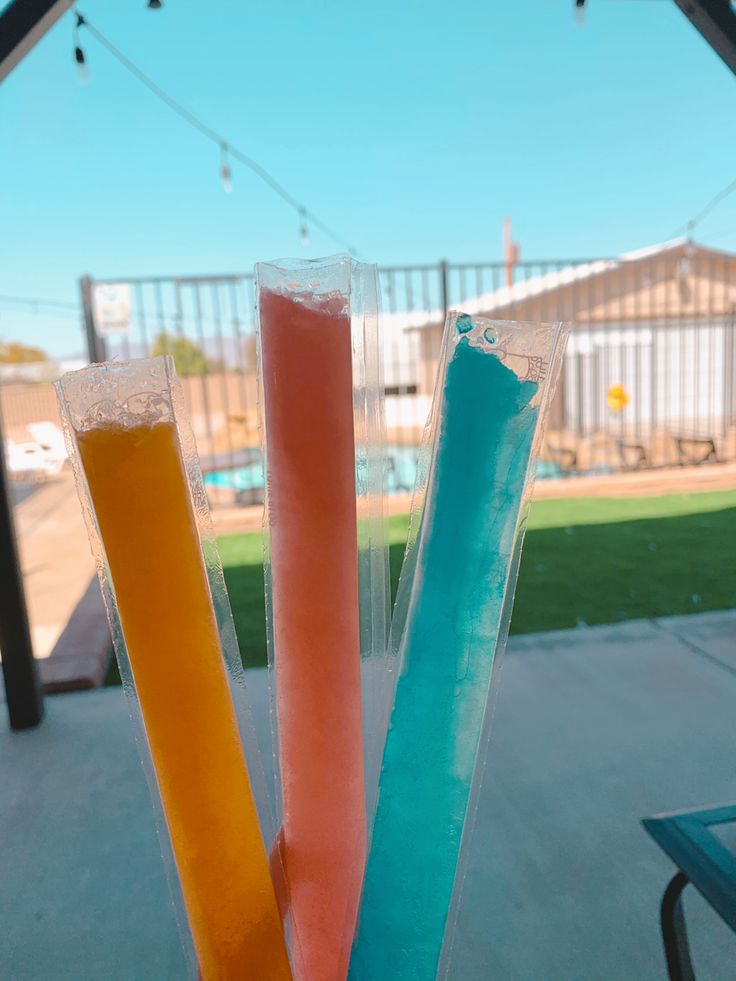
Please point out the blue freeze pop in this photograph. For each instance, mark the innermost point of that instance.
(474, 494)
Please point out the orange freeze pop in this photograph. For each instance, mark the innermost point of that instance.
(141, 499)
(308, 395)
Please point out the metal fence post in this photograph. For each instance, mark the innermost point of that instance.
(729, 373)
(444, 293)
(95, 344)
(22, 684)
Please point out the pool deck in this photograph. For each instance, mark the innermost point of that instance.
(69, 628)
(595, 728)
(229, 518)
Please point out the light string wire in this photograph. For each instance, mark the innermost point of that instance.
(225, 146)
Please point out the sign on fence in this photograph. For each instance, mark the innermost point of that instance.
(618, 398)
(111, 303)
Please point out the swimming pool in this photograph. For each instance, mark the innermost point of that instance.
(400, 473)
(247, 479)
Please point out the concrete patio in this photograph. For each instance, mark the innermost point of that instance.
(68, 625)
(594, 729)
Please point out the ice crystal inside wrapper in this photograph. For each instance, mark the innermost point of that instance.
(146, 511)
(449, 628)
(326, 582)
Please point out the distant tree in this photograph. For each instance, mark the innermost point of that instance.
(188, 357)
(15, 352)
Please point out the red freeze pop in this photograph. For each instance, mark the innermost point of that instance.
(308, 394)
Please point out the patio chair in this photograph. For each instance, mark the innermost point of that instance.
(694, 449)
(51, 440)
(27, 460)
(703, 861)
(632, 455)
(564, 457)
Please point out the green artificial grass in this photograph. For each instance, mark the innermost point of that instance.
(606, 560)
(585, 561)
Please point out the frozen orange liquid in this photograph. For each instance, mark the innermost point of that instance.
(140, 495)
(308, 394)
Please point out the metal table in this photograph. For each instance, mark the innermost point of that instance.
(702, 860)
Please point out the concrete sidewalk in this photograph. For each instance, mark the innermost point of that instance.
(594, 729)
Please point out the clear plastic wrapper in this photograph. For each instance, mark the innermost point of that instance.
(326, 584)
(146, 511)
(449, 628)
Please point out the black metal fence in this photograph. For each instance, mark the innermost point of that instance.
(649, 377)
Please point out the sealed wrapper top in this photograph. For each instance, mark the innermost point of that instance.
(142, 496)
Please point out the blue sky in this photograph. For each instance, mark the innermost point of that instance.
(411, 127)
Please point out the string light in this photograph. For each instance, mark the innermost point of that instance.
(225, 172)
(154, 4)
(38, 301)
(79, 56)
(228, 150)
(38, 306)
(689, 228)
(303, 228)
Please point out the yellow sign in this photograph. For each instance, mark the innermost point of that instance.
(618, 398)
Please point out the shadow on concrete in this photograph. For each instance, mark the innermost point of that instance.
(571, 576)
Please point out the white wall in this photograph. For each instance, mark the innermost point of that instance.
(674, 375)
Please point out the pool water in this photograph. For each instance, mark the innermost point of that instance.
(400, 473)
(248, 477)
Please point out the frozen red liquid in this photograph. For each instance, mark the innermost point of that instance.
(306, 358)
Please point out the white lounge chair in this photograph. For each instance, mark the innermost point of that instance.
(27, 460)
(51, 440)
(43, 456)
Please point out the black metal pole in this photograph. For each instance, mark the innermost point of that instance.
(444, 289)
(716, 21)
(95, 344)
(22, 25)
(22, 684)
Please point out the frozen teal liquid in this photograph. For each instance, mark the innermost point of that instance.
(474, 494)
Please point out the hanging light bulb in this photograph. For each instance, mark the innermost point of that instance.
(303, 228)
(225, 172)
(79, 56)
(154, 4)
(579, 12)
